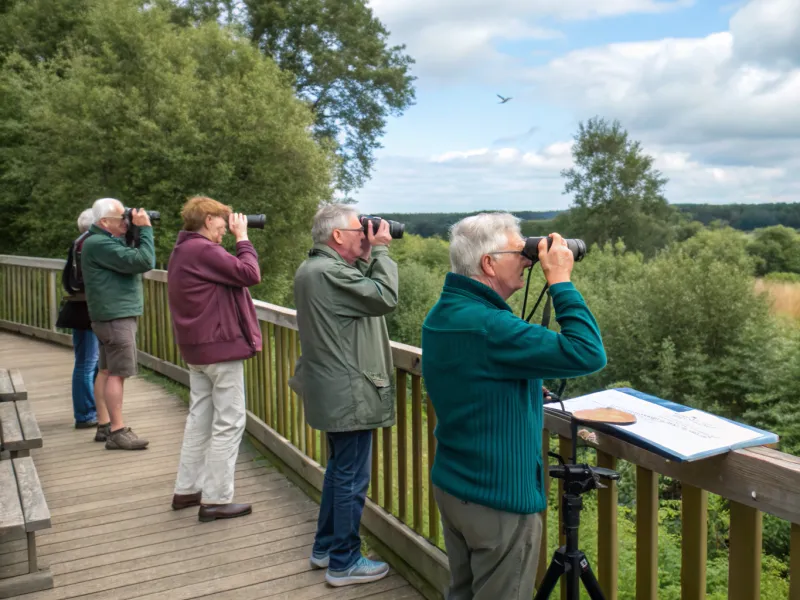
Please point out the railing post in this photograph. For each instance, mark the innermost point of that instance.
(744, 562)
(646, 534)
(794, 563)
(607, 543)
(51, 299)
(694, 542)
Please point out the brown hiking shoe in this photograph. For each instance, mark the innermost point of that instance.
(102, 432)
(125, 439)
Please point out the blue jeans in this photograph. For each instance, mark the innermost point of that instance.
(84, 373)
(343, 494)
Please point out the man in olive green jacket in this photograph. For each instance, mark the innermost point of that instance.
(113, 283)
(342, 292)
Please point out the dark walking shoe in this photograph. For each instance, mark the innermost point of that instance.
(102, 432)
(180, 501)
(125, 439)
(85, 424)
(212, 512)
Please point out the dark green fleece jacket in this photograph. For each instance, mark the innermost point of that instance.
(483, 368)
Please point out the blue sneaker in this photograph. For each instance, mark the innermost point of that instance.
(319, 561)
(364, 571)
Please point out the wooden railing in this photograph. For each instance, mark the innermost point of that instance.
(401, 511)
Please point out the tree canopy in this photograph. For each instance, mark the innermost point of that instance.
(151, 113)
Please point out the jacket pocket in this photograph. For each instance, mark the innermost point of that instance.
(378, 406)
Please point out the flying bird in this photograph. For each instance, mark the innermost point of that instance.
(503, 100)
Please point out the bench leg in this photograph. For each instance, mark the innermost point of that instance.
(32, 566)
(19, 453)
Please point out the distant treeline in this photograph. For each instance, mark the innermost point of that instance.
(431, 224)
(745, 217)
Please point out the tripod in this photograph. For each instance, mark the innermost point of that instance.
(569, 560)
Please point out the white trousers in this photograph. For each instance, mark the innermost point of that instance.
(214, 429)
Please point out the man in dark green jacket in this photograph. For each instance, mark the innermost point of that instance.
(344, 375)
(483, 368)
(113, 281)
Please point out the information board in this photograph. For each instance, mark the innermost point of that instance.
(672, 430)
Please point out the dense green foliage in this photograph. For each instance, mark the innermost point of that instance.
(151, 113)
(342, 63)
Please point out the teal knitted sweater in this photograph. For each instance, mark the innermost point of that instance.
(483, 368)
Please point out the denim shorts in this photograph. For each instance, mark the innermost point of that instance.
(117, 346)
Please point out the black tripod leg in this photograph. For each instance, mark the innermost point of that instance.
(550, 579)
(590, 581)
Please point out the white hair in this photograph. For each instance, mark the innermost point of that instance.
(330, 217)
(85, 220)
(104, 207)
(474, 236)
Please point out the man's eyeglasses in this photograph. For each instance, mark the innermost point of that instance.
(506, 252)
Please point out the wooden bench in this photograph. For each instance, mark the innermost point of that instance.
(19, 431)
(23, 512)
(11, 386)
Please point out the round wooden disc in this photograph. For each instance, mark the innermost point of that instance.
(604, 415)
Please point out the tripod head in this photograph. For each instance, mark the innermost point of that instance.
(580, 478)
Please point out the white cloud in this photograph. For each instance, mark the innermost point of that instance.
(457, 38)
(767, 32)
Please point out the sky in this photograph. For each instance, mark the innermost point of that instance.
(711, 88)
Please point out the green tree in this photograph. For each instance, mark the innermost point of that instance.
(617, 194)
(777, 249)
(151, 113)
(343, 64)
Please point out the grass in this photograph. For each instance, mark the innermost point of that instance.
(785, 297)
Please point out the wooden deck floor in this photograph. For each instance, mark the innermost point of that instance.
(114, 534)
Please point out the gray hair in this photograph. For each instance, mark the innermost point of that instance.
(104, 207)
(85, 220)
(474, 236)
(328, 218)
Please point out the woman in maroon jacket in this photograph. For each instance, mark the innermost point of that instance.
(216, 329)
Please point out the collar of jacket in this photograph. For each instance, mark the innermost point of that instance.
(327, 251)
(97, 229)
(466, 286)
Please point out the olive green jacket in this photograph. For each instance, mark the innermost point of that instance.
(112, 273)
(344, 374)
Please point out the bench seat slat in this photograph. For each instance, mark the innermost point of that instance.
(12, 521)
(34, 505)
(28, 424)
(10, 430)
(6, 387)
(20, 392)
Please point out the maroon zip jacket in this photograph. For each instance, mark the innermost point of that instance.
(213, 316)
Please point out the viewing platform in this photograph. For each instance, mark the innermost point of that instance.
(112, 533)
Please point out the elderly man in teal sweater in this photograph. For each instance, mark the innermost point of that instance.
(483, 368)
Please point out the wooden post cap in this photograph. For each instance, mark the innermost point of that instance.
(604, 415)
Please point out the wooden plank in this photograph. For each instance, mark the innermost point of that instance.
(12, 521)
(694, 542)
(26, 584)
(10, 430)
(744, 559)
(34, 506)
(6, 387)
(28, 424)
(20, 392)
(646, 534)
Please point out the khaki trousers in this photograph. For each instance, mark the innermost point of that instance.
(493, 554)
(214, 429)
